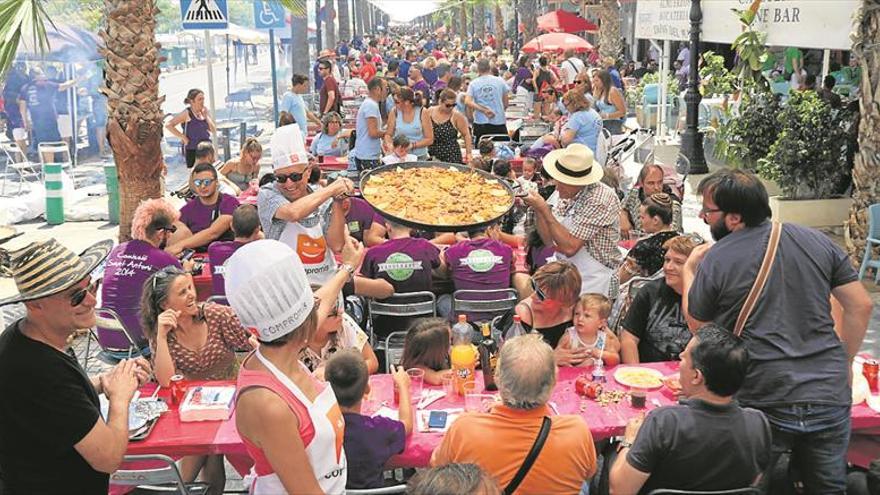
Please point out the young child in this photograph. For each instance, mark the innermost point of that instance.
(590, 331)
(426, 346)
(400, 153)
(369, 441)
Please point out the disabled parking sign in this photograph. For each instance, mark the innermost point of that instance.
(268, 14)
(204, 14)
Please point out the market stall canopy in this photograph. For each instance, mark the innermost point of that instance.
(563, 21)
(66, 44)
(557, 42)
(243, 35)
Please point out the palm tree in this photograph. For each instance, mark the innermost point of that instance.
(344, 20)
(609, 34)
(299, 25)
(528, 14)
(866, 172)
(499, 22)
(462, 16)
(329, 25)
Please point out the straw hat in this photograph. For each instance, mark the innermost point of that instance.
(42, 269)
(573, 165)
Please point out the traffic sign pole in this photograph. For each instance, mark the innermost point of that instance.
(208, 50)
(274, 77)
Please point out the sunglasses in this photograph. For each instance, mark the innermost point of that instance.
(80, 294)
(202, 182)
(170, 228)
(165, 273)
(695, 238)
(449, 105)
(295, 177)
(539, 293)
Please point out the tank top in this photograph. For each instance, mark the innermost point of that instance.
(552, 335)
(607, 107)
(321, 428)
(196, 130)
(445, 147)
(575, 342)
(412, 130)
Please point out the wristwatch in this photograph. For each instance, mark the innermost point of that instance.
(347, 267)
(623, 445)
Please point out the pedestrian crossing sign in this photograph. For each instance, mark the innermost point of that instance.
(204, 14)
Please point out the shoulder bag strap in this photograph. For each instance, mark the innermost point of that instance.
(761, 280)
(530, 458)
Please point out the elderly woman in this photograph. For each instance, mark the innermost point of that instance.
(650, 182)
(332, 140)
(195, 340)
(549, 310)
(408, 119)
(655, 328)
(584, 125)
(609, 102)
(242, 170)
(646, 257)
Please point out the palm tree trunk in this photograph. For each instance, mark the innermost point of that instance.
(609, 34)
(499, 24)
(363, 18)
(300, 44)
(462, 15)
(528, 14)
(480, 19)
(134, 107)
(344, 20)
(330, 25)
(866, 171)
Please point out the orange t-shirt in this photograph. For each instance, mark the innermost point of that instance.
(499, 441)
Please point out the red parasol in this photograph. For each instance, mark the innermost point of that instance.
(562, 21)
(557, 42)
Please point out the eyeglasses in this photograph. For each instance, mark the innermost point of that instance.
(539, 293)
(169, 228)
(295, 177)
(705, 211)
(79, 295)
(202, 182)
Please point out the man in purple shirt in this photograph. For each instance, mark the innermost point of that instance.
(404, 261)
(419, 84)
(246, 227)
(361, 220)
(130, 264)
(205, 218)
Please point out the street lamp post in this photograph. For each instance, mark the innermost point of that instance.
(691, 139)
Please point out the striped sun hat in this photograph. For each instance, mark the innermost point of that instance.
(42, 269)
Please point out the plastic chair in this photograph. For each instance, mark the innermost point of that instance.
(52, 149)
(159, 480)
(738, 491)
(490, 307)
(109, 321)
(22, 167)
(240, 97)
(377, 491)
(401, 305)
(873, 239)
(625, 298)
(394, 348)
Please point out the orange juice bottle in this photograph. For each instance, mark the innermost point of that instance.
(463, 356)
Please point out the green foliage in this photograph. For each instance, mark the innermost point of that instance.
(20, 18)
(714, 76)
(649, 78)
(747, 137)
(809, 158)
(750, 49)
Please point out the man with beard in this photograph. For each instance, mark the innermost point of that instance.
(799, 372)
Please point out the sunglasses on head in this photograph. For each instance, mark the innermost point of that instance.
(165, 273)
(169, 228)
(202, 182)
(80, 294)
(539, 293)
(295, 177)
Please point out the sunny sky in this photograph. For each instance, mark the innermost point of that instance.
(406, 10)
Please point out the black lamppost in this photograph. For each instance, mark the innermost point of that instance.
(691, 139)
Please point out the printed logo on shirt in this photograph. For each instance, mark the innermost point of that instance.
(481, 260)
(311, 250)
(399, 266)
(219, 269)
(354, 226)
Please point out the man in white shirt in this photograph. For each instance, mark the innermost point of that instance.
(571, 67)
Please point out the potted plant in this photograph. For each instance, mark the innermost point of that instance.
(809, 161)
(715, 79)
(747, 138)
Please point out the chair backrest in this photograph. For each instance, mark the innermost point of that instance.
(738, 491)
(394, 348)
(109, 320)
(399, 305)
(490, 302)
(12, 153)
(874, 221)
(377, 491)
(168, 474)
(218, 300)
(621, 305)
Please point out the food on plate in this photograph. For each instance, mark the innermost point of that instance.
(437, 195)
(639, 377)
(673, 383)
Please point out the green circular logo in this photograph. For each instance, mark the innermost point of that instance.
(481, 260)
(400, 266)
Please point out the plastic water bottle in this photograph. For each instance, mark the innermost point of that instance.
(516, 329)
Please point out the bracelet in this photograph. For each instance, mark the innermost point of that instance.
(623, 445)
(348, 268)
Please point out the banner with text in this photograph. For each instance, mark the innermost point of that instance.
(823, 24)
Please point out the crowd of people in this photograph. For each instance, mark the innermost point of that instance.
(601, 275)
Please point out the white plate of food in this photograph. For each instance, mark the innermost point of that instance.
(638, 377)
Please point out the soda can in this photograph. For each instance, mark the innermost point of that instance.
(178, 389)
(871, 369)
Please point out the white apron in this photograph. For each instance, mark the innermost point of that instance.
(311, 246)
(595, 277)
(325, 449)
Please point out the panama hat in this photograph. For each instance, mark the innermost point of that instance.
(573, 165)
(42, 269)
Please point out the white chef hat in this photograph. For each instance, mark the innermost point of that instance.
(288, 147)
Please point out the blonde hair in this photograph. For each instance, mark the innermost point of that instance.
(681, 244)
(250, 145)
(575, 101)
(595, 300)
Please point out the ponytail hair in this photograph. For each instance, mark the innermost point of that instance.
(191, 95)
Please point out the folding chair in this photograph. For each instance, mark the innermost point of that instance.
(394, 348)
(625, 298)
(165, 479)
(53, 149)
(498, 301)
(221, 300)
(22, 166)
(401, 305)
(109, 321)
(387, 490)
(872, 240)
(240, 97)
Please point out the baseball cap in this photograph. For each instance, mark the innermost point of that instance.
(267, 287)
(288, 147)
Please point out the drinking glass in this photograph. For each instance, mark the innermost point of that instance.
(416, 381)
(448, 381)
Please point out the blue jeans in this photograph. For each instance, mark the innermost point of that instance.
(817, 435)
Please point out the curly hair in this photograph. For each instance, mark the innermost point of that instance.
(152, 215)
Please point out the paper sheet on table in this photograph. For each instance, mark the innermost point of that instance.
(387, 412)
(422, 417)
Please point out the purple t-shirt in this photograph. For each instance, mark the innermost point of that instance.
(359, 218)
(406, 263)
(481, 264)
(218, 253)
(369, 443)
(128, 267)
(199, 216)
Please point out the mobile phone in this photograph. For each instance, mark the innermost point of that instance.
(437, 419)
(187, 254)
